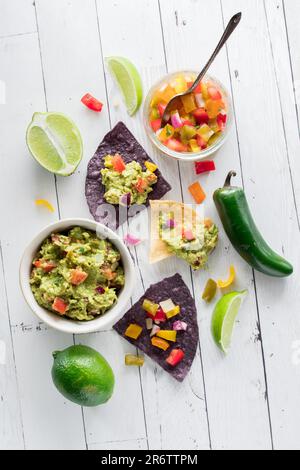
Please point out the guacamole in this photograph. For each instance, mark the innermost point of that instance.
(126, 184)
(193, 245)
(77, 275)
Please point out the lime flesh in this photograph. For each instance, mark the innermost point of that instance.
(224, 317)
(83, 376)
(128, 79)
(55, 142)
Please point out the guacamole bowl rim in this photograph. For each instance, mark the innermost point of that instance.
(68, 325)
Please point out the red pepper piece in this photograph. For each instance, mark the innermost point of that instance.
(175, 357)
(160, 315)
(201, 116)
(204, 167)
(156, 124)
(92, 103)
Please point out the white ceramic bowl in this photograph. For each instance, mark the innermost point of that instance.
(103, 322)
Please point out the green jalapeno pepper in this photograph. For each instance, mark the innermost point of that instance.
(243, 233)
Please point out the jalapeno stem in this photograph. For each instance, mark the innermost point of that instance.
(230, 175)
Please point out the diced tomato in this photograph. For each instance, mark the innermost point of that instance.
(156, 124)
(141, 185)
(92, 103)
(198, 88)
(60, 306)
(161, 108)
(201, 116)
(214, 93)
(118, 163)
(46, 266)
(78, 277)
(174, 144)
(160, 315)
(201, 142)
(187, 122)
(175, 357)
(221, 121)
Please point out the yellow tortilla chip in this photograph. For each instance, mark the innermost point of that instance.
(183, 215)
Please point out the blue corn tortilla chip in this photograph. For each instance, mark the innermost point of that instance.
(118, 140)
(170, 288)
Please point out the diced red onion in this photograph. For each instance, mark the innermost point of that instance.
(100, 290)
(199, 100)
(125, 200)
(176, 120)
(155, 330)
(131, 240)
(179, 326)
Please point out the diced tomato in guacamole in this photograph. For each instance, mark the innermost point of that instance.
(60, 306)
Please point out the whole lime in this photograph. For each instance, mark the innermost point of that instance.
(83, 376)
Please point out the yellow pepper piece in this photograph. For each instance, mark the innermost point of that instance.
(230, 280)
(133, 331)
(151, 166)
(180, 84)
(205, 132)
(204, 90)
(45, 203)
(131, 360)
(194, 146)
(169, 335)
(160, 343)
(173, 313)
(210, 290)
(189, 103)
(167, 132)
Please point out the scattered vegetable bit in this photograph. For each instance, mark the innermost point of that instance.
(151, 166)
(179, 326)
(149, 323)
(131, 360)
(160, 343)
(197, 192)
(210, 290)
(154, 330)
(230, 280)
(60, 306)
(173, 313)
(169, 335)
(175, 357)
(150, 307)
(167, 305)
(133, 331)
(204, 167)
(45, 203)
(131, 240)
(92, 103)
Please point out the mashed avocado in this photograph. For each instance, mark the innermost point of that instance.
(77, 274)
(193, 245)
(129, 179)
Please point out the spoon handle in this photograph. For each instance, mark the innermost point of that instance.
(233, 23)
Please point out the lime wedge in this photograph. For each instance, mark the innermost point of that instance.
(128, 79)
(224, 317)
(55, 142)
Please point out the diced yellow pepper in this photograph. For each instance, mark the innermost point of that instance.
(133, 331)
(189, 103)
(214, 138)
(210, 290)
(204, 90)
(194, 146)
(169, 335)
(173, 313)
(180, 84)
(166, 133)
(45, 203)
(230, 280)
(160, 343)
(205, 132)
(131, 360)
(213, 108)
(150, 307)
(151, 166)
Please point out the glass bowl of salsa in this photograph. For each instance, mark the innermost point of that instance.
(199, 124)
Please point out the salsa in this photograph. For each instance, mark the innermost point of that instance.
(77, 275)
(127, 184)
(200, 117)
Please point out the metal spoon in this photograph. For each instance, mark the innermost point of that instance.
(173, 104)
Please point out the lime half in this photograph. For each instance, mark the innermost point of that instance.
(128, 79)
(224, 317)
(55, 142)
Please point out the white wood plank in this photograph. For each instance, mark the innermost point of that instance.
(11, 435)
(62, 29)
(238, 420)
(140, 444)
(161, 394)
(271, 199)
(17, 17)
(22, 181)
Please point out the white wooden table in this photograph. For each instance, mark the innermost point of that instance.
(51, 53)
